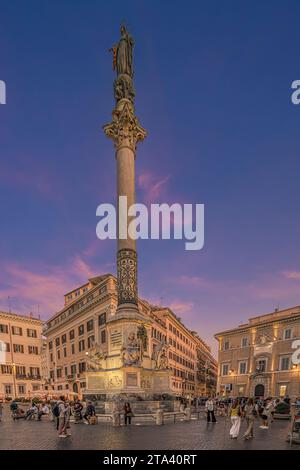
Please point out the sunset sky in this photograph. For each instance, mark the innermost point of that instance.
(213, 89)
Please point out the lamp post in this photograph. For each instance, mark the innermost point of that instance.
(14, 379)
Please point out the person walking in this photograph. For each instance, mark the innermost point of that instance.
(250, 413)
(266, 413)
(235, 416)
(210, 410)
(68, 412)
(127, 413)
(61, 417)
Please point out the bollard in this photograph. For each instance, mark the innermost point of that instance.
(159, 417)
(116, 419)
(187, 414)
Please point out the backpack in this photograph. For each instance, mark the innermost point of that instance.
(55, 411)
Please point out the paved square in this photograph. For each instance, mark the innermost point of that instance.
(193, 435)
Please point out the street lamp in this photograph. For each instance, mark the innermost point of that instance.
(14, 379)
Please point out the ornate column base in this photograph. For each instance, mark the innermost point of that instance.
(127, 277)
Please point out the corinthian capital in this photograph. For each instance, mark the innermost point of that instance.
(125, 129)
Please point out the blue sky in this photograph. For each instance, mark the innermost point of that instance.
(213, 83)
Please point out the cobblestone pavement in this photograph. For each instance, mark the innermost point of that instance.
(193, 435)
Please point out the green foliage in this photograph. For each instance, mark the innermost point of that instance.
(282, 408)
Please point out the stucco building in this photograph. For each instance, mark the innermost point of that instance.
(83, 322)
(20, 356)
(260, 358)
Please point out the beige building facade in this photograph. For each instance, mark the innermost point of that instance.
(261, 357)
(85, 322)
(21, 343)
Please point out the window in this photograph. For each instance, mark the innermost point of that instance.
(66, 371)
(103, 336)
(65, 352)
(243, 367)
(34, 371)
(4, 347)
(81, 345)
(8, 389)
(90, 325)
(81, 367)
(287, 333)
(225, 369)
(51, 357)
(31, 333)
(33, 350)
(102, 319)
(5, 369)
(3, 329)
(72, 334)
(64, 339)
(35, 387)
(73, 369)
(21, 389)
(81, 330)
(91, 340)
(244, 342)
(73, 348)
(226, 345)
(20, 371)
(58, 354)
(284, 363)
(19, 348)
(16, 330)
(59, 373)
(57, 341)
(50, 345)
(261, 365)
(282, 391)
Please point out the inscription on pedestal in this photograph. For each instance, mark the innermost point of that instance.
(115, 340)
(131, 379)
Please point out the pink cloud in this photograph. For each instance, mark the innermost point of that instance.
(43, 286)
(295, 275)
(180, 307)
(152, 186)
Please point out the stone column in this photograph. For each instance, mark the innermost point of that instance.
(126, 132)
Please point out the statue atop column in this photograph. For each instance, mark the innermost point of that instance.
(123, 64)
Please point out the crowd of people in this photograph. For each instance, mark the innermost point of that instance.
(249, 409)
(237, 409)
(60, 411)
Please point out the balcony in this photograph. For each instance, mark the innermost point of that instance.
(28, 377)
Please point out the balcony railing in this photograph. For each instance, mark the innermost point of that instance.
(28, 376)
